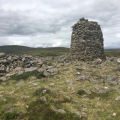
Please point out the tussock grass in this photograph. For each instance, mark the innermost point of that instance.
(63, 96)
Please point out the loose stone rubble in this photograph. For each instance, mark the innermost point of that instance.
(13, 65)
(86, 41)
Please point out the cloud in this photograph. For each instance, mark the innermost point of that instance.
(47, 23)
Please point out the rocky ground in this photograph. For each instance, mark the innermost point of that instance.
(55, 88)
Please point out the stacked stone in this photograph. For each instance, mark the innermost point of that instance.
(86, 41)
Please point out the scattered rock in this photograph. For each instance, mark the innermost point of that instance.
(118, 60)
(81, 69)
(118, 98)
(3, 78)
(77, 73)
(33, 78)
(84, 115)
(20, 73)
(31, 69)
(113, 83)
(80, 78)
(38, 90)
(98, 61)
(12, 92)
(20, 115)
(92, 80)
(20, 83)
(78, 113)
(4, 83)
(114, 114)
(52, 84)
(9, 109)
(25, 97)
(111, 77)
(99, 90)
(60, 111)
(2, 55)
(45, 73)
(43, 99)
(2, 69)
(87, 92)
(47, 90)
(118, 74)
(84, 106)
(70, 82)
(40, 70)
(33, 84)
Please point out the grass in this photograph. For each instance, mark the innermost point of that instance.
(26, 75)
(63, 96)
(112, 52)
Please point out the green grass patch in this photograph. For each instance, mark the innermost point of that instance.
(43, 54)
(42, 111)
(26, 75)
(10, 115)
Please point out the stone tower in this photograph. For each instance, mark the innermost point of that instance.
(86, 41)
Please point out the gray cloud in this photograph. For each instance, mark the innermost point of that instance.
(48, 23)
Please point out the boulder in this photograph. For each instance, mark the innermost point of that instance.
(43, 99)
(60, 111)
(9, 109)
(3, 78)
(2, 55)
(118, 60)
(31, 69)
(70, 82)
(38, 90)
(2, 69)
(118, 98)
(45, 73)
(87, 91)
(99, 90)
(20, 83)
(80, 78)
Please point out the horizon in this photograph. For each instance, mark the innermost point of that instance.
(49, 47)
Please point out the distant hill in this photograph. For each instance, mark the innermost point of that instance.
(50, 51)
(16, 49)
(13, 49)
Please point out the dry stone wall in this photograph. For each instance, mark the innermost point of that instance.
(86, 41)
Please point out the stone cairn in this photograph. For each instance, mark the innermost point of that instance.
(86, 41)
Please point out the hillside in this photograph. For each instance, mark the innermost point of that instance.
(50, 51)
(55, 88)
(15, 49)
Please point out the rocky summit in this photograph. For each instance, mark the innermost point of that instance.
(86, 41)
(55, 88)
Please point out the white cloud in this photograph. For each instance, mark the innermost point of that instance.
(47, 23)
(57, 44)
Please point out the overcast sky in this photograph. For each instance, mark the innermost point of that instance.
(47, 23)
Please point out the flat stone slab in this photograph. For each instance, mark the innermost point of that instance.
(99, 90)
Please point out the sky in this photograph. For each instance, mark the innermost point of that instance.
(47, 23)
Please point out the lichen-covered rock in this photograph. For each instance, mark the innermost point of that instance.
(38, 90)
(86, 41)
(9, 109)
(2, 55)
(118, 60)
(31, 69)
(99, 90)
